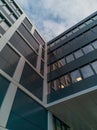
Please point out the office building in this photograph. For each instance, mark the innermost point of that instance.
(46, 86)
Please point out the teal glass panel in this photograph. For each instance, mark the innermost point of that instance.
(27, 114)
(4, 83)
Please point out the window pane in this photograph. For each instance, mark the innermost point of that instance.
(32, 81)
(94, 65)
(43, 53)
(78, 54)
(6, 9)
(61, 62)
(87, 71)
(88, 49)
(27, 23)
(42, 68)
(4, 83)
(95, 18)
(13, 17)
(94, 44)
(26, 114)
(75, 76)
(81, 26)
(19, 43)
(4, 25)
(89, 21)
(28, 36)
(8, 60)
(69, 58)
(13, 5)
(38, 37)
(75, 30)
(65, 81)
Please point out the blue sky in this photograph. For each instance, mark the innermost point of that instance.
(52, 17)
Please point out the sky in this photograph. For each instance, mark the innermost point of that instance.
(52, 17)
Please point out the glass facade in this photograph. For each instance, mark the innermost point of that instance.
(8, 60)
(28, 36)
(20, 44)
(73, 56)
(72, 68)
(59, 125)
(32, 81)
(27, 114)
(4, 83)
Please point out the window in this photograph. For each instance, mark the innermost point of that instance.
(89, 21)
(29, 37)
(75, 30)
(87, 49)
(87, 71)
(8, 60)
(61, 62)
(95, 44)
(67, 80)
(42, 68)
(26, 114)
(95, 18)
(6, 9)
(13, 17)
(32, 81)
(20, 44)
(78, 54)
(4, 83)
(69, 58)
(64, 37)
(43, 53)
(75, 76)
(27, 23)
(39, 38)
(13, 5)
(82, 25)
(4, 25)
(94, 65)
(69, 34)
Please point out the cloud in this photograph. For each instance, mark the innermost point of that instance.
(52, 17)
(53, 30)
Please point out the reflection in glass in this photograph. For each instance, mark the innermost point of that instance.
(87, 49)
(94, 44)
(87, 71)
(75, 76)
(78, 54)
(94, 65)
(69, 58)
(8, 60)
(32, 81)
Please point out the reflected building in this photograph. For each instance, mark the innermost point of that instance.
(46, 86)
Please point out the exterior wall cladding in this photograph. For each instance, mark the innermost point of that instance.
(31, 99)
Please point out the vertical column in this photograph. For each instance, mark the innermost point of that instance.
(10, 95)
(45, 78)
(50, 121)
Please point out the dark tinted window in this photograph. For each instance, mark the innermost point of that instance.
(42, 67)
(8, 60)
(32, 81)
(38, 37)
(27, 23)
(23, 48)
(28, 37)
(26, 114)
(4, 83)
